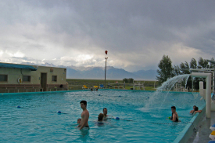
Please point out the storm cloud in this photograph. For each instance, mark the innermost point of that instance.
(136, 33)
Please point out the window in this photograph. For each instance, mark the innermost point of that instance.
(54, 78)
(3, 77)
(26, 78)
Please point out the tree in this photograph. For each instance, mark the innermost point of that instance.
(193, 63)
(212, 65)
(125, 80)
(130, 80)
(176, 70)
(185, 68)
(203, 63)
(165, 70)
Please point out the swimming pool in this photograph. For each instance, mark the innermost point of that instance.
(142, 116)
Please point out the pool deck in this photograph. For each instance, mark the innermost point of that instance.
(204, 130)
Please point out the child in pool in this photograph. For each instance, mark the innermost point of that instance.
(79, 121)
(100, 119)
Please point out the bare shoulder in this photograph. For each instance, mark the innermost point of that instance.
(86, 112)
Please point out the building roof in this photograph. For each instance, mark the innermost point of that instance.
(6, 65)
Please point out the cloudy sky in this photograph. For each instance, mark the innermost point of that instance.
(136, 33)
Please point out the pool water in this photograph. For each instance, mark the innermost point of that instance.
(142, 116)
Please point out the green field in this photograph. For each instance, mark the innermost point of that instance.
(76, 84)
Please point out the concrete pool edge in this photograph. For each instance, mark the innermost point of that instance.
(184, 136)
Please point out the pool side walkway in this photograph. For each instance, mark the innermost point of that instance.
(204, 130)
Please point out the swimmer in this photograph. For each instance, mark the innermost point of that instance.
(100, 119)
(105, 113)
(79, 121)
(174, 116)
(195, 110)
(84, 115)
(192, 111)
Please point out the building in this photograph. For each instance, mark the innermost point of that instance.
(31, 78)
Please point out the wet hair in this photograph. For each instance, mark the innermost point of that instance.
(100, 117)
(196, 109)
(104, 109)
(173, 107)
(194, 105)
(84, 102)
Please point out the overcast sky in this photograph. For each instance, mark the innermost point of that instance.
(136, 33)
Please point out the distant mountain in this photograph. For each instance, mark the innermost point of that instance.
(98, 73)
(74, 72)
(146, 74)
(112, 73)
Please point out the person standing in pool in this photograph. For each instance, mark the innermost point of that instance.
(174, 116)
(84, 115)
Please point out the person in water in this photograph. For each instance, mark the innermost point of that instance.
(174, 116)
(192, 111)
(195, 110)
(79, 121)
(84, 115)
(105, 113)
(100, 119)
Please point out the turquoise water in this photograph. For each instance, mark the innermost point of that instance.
(142, 116)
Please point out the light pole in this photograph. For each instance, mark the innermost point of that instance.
(105, 66)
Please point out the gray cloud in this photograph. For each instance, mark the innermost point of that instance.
(136, 33)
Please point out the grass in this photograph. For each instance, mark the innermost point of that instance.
(150, 88)
(76, 84)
